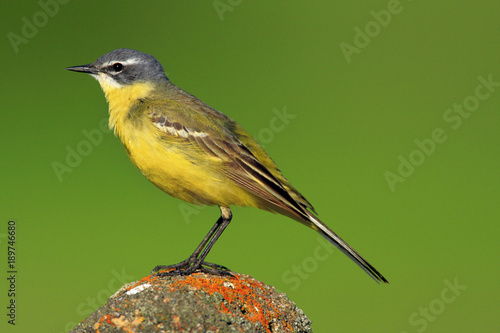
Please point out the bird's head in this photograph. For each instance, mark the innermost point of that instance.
(124, 68)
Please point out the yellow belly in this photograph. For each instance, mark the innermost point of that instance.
(175, 168)
(179, 170)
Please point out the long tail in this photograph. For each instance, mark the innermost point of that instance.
(349, 251)
(276, 194)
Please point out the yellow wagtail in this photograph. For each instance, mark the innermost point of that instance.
(196, 153)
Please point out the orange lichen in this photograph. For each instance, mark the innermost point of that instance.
(255, 305)
(101, 321)
(234, 289)
(151, 279)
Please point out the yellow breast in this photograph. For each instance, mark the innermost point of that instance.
(166, 165)
(121, 99)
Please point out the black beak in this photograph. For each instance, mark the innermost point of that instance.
(89, 69)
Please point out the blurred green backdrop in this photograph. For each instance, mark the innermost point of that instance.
(366, 84)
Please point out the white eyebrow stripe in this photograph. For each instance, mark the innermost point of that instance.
(131, 61)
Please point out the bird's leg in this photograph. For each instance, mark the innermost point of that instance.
(196, 260)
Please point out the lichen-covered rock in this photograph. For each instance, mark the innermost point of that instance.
(197, 303)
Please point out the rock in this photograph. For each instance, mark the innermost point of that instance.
(198, 302)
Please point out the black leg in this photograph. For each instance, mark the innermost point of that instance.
(196, 260)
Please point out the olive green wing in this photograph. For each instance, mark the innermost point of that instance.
(266, 160)
(231, 150)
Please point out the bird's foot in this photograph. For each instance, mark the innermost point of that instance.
(189, 266)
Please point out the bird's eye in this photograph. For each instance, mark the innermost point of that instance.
(117, 67)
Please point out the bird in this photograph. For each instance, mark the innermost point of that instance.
(197, 154)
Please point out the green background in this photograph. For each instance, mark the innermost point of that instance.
(352, 122)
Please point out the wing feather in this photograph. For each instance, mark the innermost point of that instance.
(237, 161)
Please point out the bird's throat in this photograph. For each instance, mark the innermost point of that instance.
(121, 100)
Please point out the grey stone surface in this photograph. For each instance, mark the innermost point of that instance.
(197, 303)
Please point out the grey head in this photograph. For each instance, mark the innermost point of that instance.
(124, 67)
